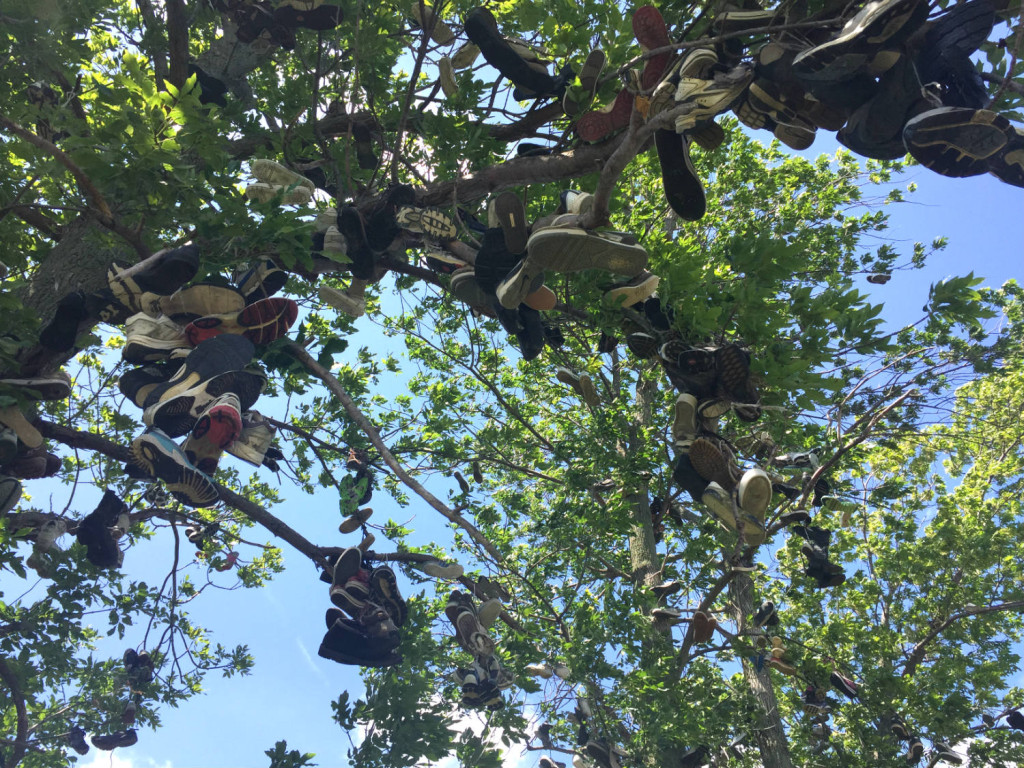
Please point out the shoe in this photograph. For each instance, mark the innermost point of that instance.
(582, 384)
(844, 685)
(735, 20)
(299, 14)
(209, 371)
(261, 322)
(530, 337)
(51, 388)
(197, 301)
(264, 279)
(268, 193)
(488, 611)
(714, 461)
(518, 284)
(345, 569)
(643, 345)
(963, 142)
(710, 98)
(345, 643)
(355, 521)
(684, 424)
(942, 752)
(482, 29)
(683, 188)
(218, 426)
(915, 750)
(430, 22)
(60, 333)
(254, 440)
(10, 493)
(1015, 720)
(471, 635)
(465, 56)
(754, 493)
(439, 570)
(353, 306)
(567, 250)
(149, 339)
(76, 740)
(34, 464)
(160, 457)
(650, 31)
(667, 616)
(879, 25)
(384, 592)
(765, 615)
(600, 124)
(510, 214)
(114, 740)
(633, 292)
(13, 418)
(540, 670)
(160, 275)
(138, 383)
(589, 74)
(703, 627)
(270, 172)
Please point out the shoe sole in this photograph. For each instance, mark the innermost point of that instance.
(261, 322)
(384, 591)
(683, 188)
(520, 283)
(597, 125)
(13, 418)
(961, 142)
(512, 219)
(733, 372)
(575, 250)
(42, 389)
(186, 483)
(199, 301)
(10, 494)
(206, 362)
(650, 31)
(473, 636)
(684, 424)
(146, 349)
(880, 23)
(711, 463)
(754, 492)
(262, 281)
(628, 295)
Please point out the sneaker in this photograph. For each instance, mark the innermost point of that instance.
(942, 752)
(754, 493)
(343, 301)
(10, 493)
(482, 29)
(50, 388)
(384, 592)
(959, 142)
(844, 685)
(650, 31)
(12, 417)
(598, 125)
(197, 301)
(471, 635)
(267, 193)
(683, 188)
(703, 627)
(114, 740)
(567, 250)
(161, 274)
(488, 611)
(149, 339)
(1015, 720)
(254, 440)
(714, 461)
(518, 284)
(633, 292)
(431, 23)
(589, 74)
(345, 569)
(582, 384)
(540, 670)
(880, 24)
(218, 426)
(684, 424)
(355, 521)
(709, 98)
(465, 288)
(160, 457)
(264, 278)
(261, 322)
(465, 56)
(439, 570)
(510, 214)
(270, 172)
(76, 740)
(666, 588)
(446, 75)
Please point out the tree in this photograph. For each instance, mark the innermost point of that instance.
(115, 150)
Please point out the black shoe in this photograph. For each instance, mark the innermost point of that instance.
(137, 383)
(531, 338)
(1015, 720)
(687, 478)
(482, 29)
(766, 616)
(76, 740)
(683, 188)
(820, 537)
(60, 333)
(384, 592)
(346, 644)
(493, 261)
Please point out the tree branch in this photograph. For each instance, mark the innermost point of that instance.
(370, 430)
(18, 696)
(918, 651)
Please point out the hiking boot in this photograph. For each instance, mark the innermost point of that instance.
(160, 457)
(261, 322)
(149, 339)
(961, 142)
(879, 25)
(218, 426)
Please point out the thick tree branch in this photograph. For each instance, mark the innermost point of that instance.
(332, 383)
(18, 697)
(177, 40)
(77, 439)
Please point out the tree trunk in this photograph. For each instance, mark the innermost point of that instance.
(770, 735)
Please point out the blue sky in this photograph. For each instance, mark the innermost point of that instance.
(289, 693)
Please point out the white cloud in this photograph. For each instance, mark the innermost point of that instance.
(119, 759)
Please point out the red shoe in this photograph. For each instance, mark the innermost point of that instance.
(600, 124)
(261, 322)
(650, 31)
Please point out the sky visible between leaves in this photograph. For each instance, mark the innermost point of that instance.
(288, 695)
